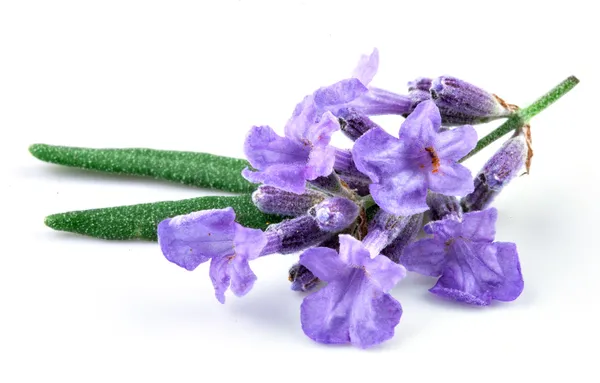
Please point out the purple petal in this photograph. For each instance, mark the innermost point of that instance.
(470, 275)
(404, 194)
(305, 114)
(219, 275)
(352, 251)
(451, 178)
(383, 273)
(376, 154)
(324, 263)
(421, 125)
(480, 226)
(322, 156)
(248, 242)
(289, 177)
(350, 311)
(426, 256)
(374, 319)
(456, 143)
(264, 148)
(339, 93)
(319, 134)
(189, 240)
(508, 261)
(367, 67)
(242, 277)
(444, 229)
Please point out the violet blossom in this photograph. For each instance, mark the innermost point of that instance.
(355, 306)
(472, 267)
(192, 239)
(423, 158)
(303, 154)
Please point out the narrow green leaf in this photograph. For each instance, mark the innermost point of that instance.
(140, 221)
(190, 168)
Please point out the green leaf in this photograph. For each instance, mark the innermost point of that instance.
(190, 168)
(140, 221)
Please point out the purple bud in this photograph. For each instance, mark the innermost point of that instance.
(295, 234)
(302, 278)
(387, 229)
(443, 206)
(272, 200)
(356, 181)
(350, 176)
(418, 90)
(498, 171)
(461, 103)
(407, 234)
(354, 123)
(335, 214)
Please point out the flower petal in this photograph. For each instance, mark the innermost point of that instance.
(324, 263)
(451, 178)
(480, 226)
(376, 154)
(374, 318)
(383, 273)
(248, 242)
(352, 251)
(404, 194)
(305, 114)
(339, 93)
(264, 148)
(471, 275)
(421, 125)
(426, 256)
(454, 144)
(191, 239)
(289, 177)
(242, 277)
(508, 261)
(219, 275)
(350, 311)
(367, 67)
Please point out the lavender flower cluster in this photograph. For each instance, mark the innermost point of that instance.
(355, 214)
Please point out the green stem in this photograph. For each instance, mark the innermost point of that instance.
(190, 168)
(525, 115)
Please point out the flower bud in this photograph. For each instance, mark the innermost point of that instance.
(387, 229)
(335, 214)
(443, 206)
(354, 123)
(409, 230)
(272, 200)
(302, 278)
(461, 103)
(498, 171)
(418, 90)
(296, 234)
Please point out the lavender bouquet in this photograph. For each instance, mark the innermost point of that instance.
(354, 215)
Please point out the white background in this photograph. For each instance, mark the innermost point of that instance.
(195, 76)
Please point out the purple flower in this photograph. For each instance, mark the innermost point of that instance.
(192, 239)
(355, 93)
(303, 154)
(355, 306)
(402, 170)
(472, 267)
